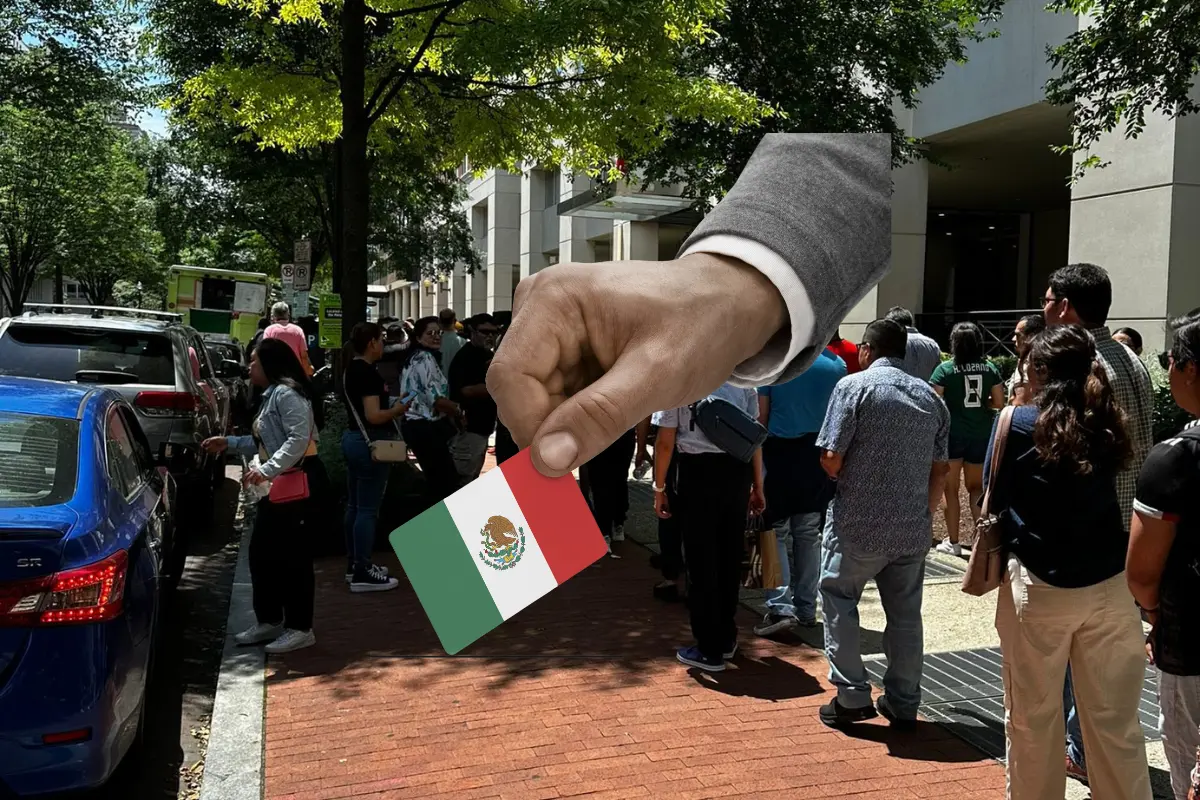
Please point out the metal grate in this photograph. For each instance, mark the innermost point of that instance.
(964, 691)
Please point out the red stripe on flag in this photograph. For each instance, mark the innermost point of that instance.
(558, 516)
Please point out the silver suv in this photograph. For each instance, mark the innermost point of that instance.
(161, 366)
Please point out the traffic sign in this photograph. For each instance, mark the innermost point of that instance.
(303, 252)
(287, 276)
(303, 278)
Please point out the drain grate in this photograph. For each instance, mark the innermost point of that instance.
(964, 691)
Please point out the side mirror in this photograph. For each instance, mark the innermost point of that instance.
(230, 369)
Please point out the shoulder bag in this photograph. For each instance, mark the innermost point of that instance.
(384, 451)
(728, 427)
(985, 569)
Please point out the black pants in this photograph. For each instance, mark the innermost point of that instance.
(714, 492)
(608, 480)
(281, 556)
(506, 448)
(670, 542)
(430, 441)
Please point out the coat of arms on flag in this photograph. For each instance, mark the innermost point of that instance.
(503, 545)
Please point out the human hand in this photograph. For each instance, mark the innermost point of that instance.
(593, 349)
(662, 509)
(758, 501)
(253, 478)
(215, 444)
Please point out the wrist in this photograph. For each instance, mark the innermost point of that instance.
(742, 292)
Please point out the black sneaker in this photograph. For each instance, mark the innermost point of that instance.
(774, 623)
(835, 715)
(371, 580)
(373, 568)
(887, 712)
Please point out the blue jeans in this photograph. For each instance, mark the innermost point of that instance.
(1074, 729)
(366, 482)
(799, 539)
(900, 579)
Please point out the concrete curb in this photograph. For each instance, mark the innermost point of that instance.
(233, 765)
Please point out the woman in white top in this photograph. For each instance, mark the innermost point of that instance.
(432, 417)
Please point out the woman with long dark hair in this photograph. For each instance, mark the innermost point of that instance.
(1163, 564)
(281, 544)
(1064, 595)
(432, 417)
(371, 419)
(973, 390)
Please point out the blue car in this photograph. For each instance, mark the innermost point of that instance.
(85, 516)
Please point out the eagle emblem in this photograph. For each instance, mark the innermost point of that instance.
(503, 543)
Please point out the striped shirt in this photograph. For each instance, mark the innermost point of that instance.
(1131, 385)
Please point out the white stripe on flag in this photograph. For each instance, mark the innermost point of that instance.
(529, 577)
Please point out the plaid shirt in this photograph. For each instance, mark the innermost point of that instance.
(1131, 384)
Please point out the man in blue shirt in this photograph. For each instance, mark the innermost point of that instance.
(886, 441)
(797, 489)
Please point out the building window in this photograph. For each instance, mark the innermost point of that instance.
(553, 180)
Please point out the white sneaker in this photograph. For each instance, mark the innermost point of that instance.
(608, 543)
(949, 548)
(618, 533)
(291, 640)
(261, 632)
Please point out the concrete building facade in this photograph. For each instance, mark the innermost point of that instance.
(977, 229)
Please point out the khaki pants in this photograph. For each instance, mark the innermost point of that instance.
(1099, 630)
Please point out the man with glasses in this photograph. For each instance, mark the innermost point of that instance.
(468, 388)
(1081, 294)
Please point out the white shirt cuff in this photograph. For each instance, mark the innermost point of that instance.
(765, 367)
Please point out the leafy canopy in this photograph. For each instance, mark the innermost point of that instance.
(1137, 56)
(570, 82)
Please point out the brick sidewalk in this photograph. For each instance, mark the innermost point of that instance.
(579, 695)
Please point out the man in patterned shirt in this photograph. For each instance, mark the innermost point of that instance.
(885, 442)
(1081, 294)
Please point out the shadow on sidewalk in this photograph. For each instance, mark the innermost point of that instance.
(766, 678)
(928, 741)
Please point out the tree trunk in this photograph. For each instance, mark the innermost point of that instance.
(58, 284)
(353, 180)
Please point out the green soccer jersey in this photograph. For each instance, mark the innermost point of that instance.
(967, 390)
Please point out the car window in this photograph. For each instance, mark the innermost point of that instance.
(206, 368)
(123, 469)
(141, 445)
(82, 354)
(39, 460)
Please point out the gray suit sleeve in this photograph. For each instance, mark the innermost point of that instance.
(822, 202)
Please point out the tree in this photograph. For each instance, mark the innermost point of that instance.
(1135, 56)
(572, 82)
(56, 55)
(824, 67)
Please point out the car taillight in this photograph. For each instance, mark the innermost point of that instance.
(94, 593)
(165, 404)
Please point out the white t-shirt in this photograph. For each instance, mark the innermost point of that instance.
(689, 439)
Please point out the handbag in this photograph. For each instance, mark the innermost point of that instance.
(985, 569)
(760, 566)
(728, 427)
(384, 451)
(289, 486)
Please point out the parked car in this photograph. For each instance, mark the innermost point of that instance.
(159, 365)
(85, 518)
(234, 368)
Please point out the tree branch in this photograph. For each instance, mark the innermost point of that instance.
(378, 104)
(408, 12)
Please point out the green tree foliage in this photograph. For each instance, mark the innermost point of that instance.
(823, 67)
(73, 197)
(571, 82)
(1137, 56)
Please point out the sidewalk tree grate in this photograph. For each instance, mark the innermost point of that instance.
(964, 691)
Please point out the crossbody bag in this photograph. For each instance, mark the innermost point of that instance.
(728, 427)
(985, 570)
(384, 451)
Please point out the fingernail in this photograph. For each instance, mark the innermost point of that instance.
(558, 451)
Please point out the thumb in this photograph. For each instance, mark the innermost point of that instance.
(592, 419)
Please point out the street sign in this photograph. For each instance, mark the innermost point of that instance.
(303, 252)
(299, 305)
(287, 276)
(303, 278)
(330, 321)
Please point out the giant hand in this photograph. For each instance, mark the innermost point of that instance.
(595, 348)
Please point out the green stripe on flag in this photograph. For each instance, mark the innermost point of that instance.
(444, 575)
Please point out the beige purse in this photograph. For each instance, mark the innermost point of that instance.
(986, 567)
(384, 451)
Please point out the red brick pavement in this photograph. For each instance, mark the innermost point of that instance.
(579, 695)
